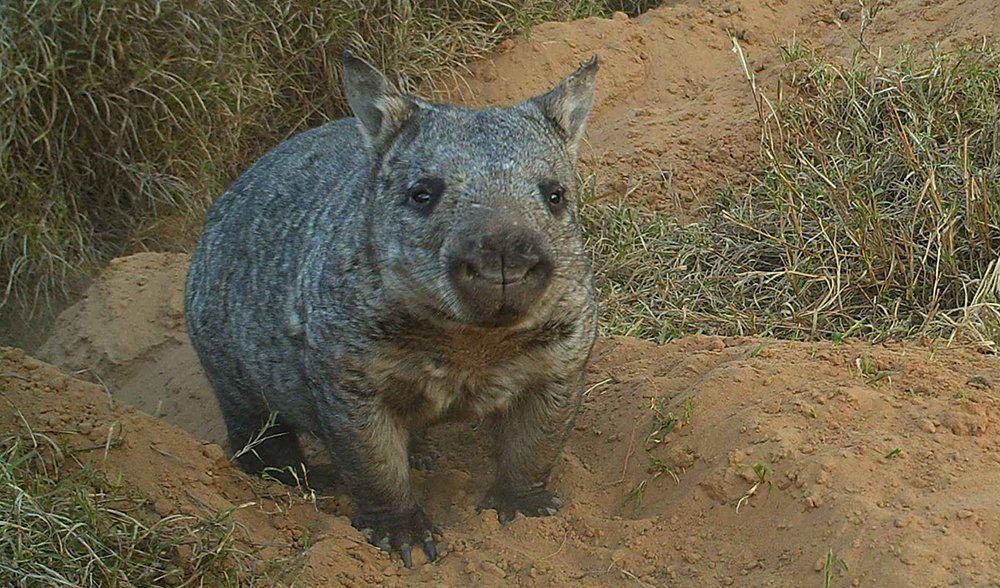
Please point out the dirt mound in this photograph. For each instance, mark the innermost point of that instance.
(127, 332)
(885, 456)
(674, 114)
(175, 473)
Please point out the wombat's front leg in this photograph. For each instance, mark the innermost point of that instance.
(529, 439)
(369, 445)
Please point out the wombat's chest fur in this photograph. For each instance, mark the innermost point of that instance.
(468, 374)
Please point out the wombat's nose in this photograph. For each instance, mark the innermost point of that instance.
(503, 271)
(503, 258)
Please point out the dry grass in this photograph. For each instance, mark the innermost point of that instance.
(875, 213)
(118, 118)
(65, 524)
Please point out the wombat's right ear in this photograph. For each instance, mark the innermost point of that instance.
(381, 109)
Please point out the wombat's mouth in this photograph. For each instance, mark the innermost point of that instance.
(505, 316)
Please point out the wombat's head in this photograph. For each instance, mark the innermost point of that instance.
(472, 214)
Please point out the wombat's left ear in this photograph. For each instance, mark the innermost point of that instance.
(568, 104)
(381, 109)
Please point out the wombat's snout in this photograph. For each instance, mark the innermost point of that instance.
(500, 273)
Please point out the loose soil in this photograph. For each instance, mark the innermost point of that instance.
(886, 458)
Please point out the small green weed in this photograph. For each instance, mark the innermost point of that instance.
(635, 495)
(663, 424)
(829, 568)
(761, 471)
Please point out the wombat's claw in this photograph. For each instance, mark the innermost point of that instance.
(535, 503)
(397, 533)
(423, 456)
(426, 461)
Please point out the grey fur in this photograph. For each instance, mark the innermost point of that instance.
(323, 290)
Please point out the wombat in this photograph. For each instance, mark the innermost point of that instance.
(416, 263)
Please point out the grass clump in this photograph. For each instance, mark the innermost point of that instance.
(65, 524)
(119, 120)
(875, 213)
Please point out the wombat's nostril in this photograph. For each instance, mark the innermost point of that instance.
(465, 271)
(517, 265)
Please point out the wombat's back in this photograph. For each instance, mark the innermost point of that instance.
(280, 215)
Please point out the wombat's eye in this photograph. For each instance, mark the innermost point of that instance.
(554, 194)
(424, 193)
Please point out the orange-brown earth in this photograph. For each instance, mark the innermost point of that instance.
(888, 457)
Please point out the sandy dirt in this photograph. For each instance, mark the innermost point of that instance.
(888, 457)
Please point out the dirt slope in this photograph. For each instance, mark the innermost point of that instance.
(127, 332)
(673, 113)
(827, 420)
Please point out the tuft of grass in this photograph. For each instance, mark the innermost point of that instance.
(875, 214)
(658, 467)
(829, 566)
(66, 524)
(663, 424)
(121, 121)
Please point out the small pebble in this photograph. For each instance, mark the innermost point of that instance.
(99, 435)
(163, 507)
(979, 381)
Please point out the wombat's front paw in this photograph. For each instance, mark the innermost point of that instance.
(537, 502)
(399, 532)
(424, 457)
